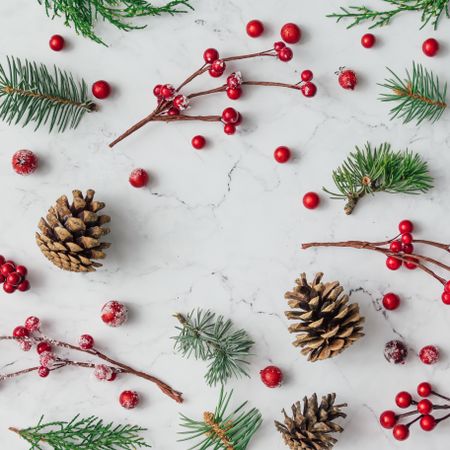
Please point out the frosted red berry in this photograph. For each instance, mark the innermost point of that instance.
(138, 178)
(24, 286)
(101, 89)
(429, 354)
(218, 66)
(234, 80)
(271, 376)
(388, 419)
(430, 47)
(229, 115)
(114, 313)
(291, 33)
(234, 93)
(43, 347)
(210, 55)
(32, 323)
(395, 352)
(306, 75)
(405, 226)
(368, 40)
(104, 373)
(229, 128)
(56, 42)
(24, 162)
(181, 102)
(285, 54)
(255, 28)
(198, 142)
(129, 399)
(400, 432)
(425, 406)
(308, 89)
(403, 399)
(86, 342)
(20, 332)
(47, 359)
(282, 154)
(424, 389)
(393, 263)
(43, 371)
(25, 344)
(311, 200)
(391, 301)
(428, 423)
(347, 79)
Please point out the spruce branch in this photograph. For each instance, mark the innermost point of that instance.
(431, 12)
(379, 169)
(222, 429)
(209, 338)
(82, 15)
(420, 96)
(31, 93)
(89, 433)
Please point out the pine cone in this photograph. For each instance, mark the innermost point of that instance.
(328, 323)
(70, 237)
(311, 430)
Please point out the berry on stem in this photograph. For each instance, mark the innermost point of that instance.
(311, 200)
(24, 162)
(405, 226)
(308, 89)
(20, 332)
(129, 399)
(198, 142)
(396, 246)
(43, 371)
(167, 91)
(401, 432)
(56, 42)
(393, 263)
(271, 376)
(391, 301)
(368, 40)
(138, 178)
(32, 323)
(255, 28)
(424, 389)
(24, 286)
(14, 279)
(229, 128)
(43, 347)
(114, 313)
(403, 399)
(7, 268)
(445, 297)
(407, 238)
(306, 75)
(229, 115)
(157, 90)
(285, 54)
(291, 33)
(210, 55)
(347, 78)
(395, 352)
(425, 406)
(8, 288)
(104, 373)
(277, 46)
(429, 354)
(234, 93)
(428, 423)
(408, 248)
(282, 154)
(101, 89)
(86, 342)
(22, 270)
(388, 419)
(430, 47)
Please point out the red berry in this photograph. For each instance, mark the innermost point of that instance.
(7, 268)
(445, 298)
(403, 399)
(425, 406)
(129, 399)
(234, 80)
(24, 286)
(408, 248)
(306, 75)
(43, 347)
(101, 89)
(180, 102)
(311, 200)
(12, 263)
(429, 354)
(430, 47)
(218, 66)
(405, 226)
(8, 288)
(229, 128)
(255, 28)
(395, 352)
(271, 376)
(215, 74)
(168, 91)
(24, 162)
(308, 89)
(229, 115)
(424, 389)
(347, 79)
(157, 90)
(401, 432)
(396, 246)
(138, 178)
(239, 120)
(20, 332)
(32, 323)
(25, 345)
(43, 371)
(410, 263)
(428, 423)
(47, 359)
(22, 270)
(210, 55)
(56, 42)
(86, 342)
(114, 313)
(198, 142)
(104, 373)
(14, 279)
(393, 263)
(285, 54)
(407, 238)
(291, 33)
(391, 301)
(282, 154)
(173, 111)
(368, 40)
(388, 419)
(234, 93)
(277, 46)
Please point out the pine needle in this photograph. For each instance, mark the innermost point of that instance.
(213, 339)
(368, 171)
(31, 93)
(82, 15)
(420, 95)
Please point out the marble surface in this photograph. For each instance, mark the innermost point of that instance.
(222, 228)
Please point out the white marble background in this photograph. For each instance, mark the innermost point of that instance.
(222, 228)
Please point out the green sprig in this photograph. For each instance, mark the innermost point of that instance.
(82, 15)
(213, 339)
(31, 93)
(432, 11)
(222, 429)
(367, 171)
(90, 433)
(420, 96)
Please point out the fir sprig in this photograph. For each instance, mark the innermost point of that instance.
(82, 15)
(379, 169)
(222, 429)
(431, 11)
(89, 433)
(31, 93)
(420, 96)
(213, 339)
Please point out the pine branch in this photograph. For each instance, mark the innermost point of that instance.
(90, 433)
(82, 15)
(30, 93)
(221, 429)
(420, 96)
(213, 339)
(367, 171)
(432, 11)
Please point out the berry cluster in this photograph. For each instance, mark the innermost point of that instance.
(422, 409)
(402, 245)
(12, 276)
(396, 352)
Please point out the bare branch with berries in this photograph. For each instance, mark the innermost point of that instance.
(171, 102)
(30, 335)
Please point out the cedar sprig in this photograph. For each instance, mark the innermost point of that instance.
(431, 11)
(82, 15)
(32, 93)
(222, 429)
(211, 338)
(379, 169)
(420, 96)
(89, 433)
